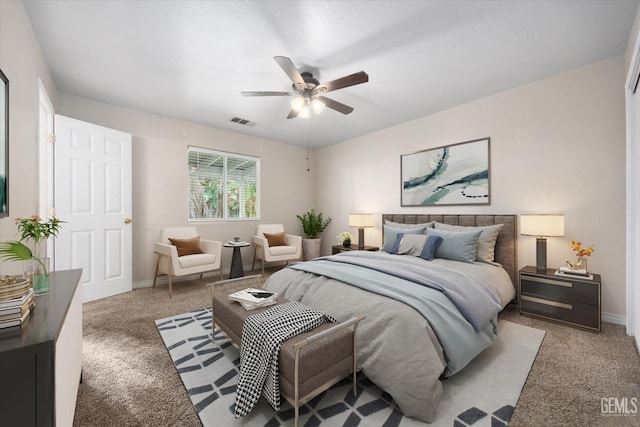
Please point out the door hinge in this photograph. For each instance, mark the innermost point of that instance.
(51, 138)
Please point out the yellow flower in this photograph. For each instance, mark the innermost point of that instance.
(579, 250)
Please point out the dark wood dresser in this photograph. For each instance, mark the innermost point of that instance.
(41, 362)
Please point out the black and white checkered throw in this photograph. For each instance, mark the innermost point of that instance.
(262, 337)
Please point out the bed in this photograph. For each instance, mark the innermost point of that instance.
(426, 318)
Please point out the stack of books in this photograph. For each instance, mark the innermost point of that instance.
(237, 243)
(16, 301)
(574, 272)
(252, 298)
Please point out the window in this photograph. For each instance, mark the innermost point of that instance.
(222, 185)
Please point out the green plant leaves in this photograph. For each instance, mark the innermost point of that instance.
(15, 251)
(313, 223)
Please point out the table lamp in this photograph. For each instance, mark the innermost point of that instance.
(542, 226)
(361, 221)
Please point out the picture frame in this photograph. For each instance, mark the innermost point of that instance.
(4, 145)
(456, 174)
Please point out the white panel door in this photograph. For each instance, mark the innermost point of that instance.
(93, 196)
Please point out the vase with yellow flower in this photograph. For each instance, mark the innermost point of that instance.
(581, 255)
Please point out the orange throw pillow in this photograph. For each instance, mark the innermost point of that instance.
(187, 246)
(276, 239)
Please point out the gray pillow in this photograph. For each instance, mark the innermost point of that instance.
(456, 245)
(403, 225)
(391, 233)
(486, 249)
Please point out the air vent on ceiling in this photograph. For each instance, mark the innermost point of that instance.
(243, 122)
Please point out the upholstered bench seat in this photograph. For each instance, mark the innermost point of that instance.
(323, 356)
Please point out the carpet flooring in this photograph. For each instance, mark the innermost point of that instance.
(209, 371)
(129, 379)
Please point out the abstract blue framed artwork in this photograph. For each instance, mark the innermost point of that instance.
(456, 174)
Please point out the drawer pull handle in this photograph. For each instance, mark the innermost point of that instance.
(550, 282)
(547, 302)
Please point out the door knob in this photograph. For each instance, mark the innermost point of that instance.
(127, 220)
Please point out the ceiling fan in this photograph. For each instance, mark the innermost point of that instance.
(307, 90)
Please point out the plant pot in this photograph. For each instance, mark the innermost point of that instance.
(346, 243)
(311, 248)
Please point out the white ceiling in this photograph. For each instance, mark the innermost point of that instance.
(191, 59)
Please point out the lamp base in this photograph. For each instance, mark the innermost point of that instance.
(541, 254)
(361, 238)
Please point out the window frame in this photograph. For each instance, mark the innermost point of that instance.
(225, 155)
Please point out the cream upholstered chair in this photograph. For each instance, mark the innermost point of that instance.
(292, 251)
(172, 265)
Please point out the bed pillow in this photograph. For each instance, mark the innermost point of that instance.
(456, 245)
(187, 246)
(391, 233)
(419, 245)
(486, 249)
(430, 247)
(403, 225)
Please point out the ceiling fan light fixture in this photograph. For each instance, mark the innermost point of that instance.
(304, 112)
(317, 106)
(297, 103)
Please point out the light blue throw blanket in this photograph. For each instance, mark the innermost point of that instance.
(462, 313)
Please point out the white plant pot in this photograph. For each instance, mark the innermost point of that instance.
(311, 248)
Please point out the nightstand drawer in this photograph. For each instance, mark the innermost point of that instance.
(572, 291)
(579, 314)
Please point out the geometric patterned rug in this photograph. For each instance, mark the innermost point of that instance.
(483, 394)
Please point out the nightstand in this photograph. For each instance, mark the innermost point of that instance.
(340, 248)
(574, 301)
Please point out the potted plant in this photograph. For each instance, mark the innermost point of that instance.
(345, 238)
(312, 224)
(37, 230)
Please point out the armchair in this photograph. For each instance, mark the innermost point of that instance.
(172, 265)
(292, 251)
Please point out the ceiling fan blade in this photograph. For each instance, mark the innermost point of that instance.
(335, 105)
(289, 67)
(346, 81)
(292, 114)
(265, 93)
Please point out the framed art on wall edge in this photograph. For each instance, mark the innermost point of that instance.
(4, 145)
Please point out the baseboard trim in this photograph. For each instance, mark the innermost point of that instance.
(164, 279)
(616, 319)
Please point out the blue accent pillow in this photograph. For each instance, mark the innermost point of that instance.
(391, 234)
(417, 245)
(456, 245)
(430, 247)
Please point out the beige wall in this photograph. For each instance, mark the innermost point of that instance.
(557, 146)
(160, 176)
(22, 62)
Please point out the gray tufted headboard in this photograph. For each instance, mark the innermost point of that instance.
(506, 245)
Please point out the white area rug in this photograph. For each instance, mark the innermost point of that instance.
(483, 394)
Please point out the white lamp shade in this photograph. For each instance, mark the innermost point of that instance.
(360, 220)
(542, 225)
